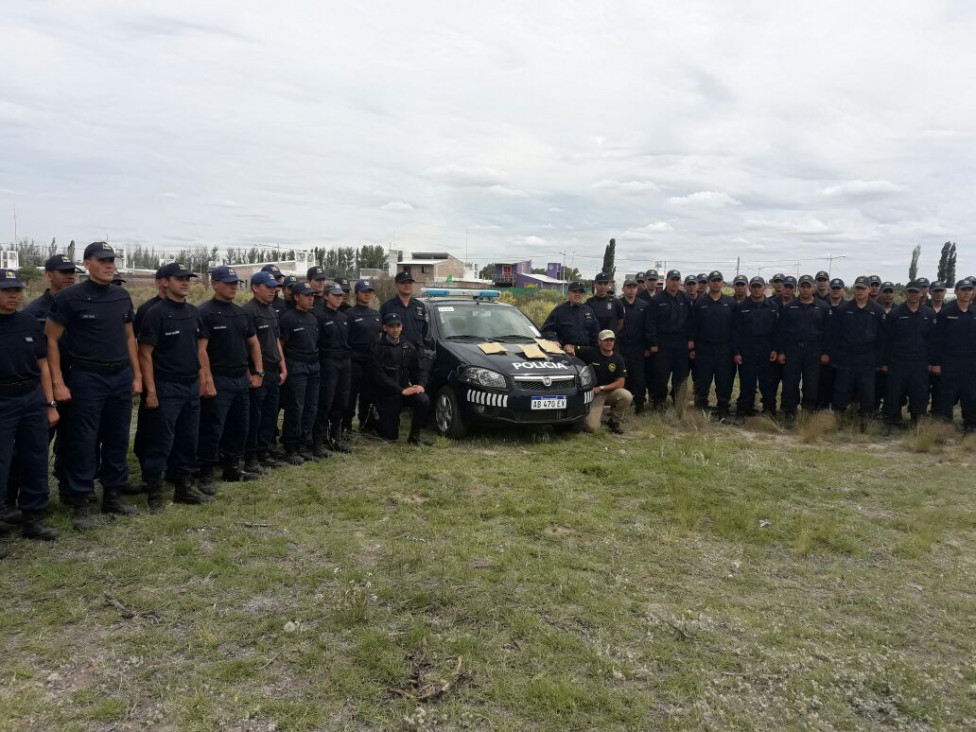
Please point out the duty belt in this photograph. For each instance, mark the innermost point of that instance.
(184, 379)
(99, 367)
(13, 389)
(228, 371)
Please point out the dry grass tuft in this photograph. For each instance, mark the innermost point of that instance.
(928, 436)
(814, 427)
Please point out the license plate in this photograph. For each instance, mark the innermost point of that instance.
(553, 402)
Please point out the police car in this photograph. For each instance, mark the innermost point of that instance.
(481, 374)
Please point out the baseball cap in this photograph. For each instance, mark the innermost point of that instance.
(264, 277)
(757, 281)
(714, 275)
(301, 288)
(603, 277)
(806, 280)
(576, 287)
(789, 281)
(315, 273)
(651, 274)
(9, 280)
(778, 277)
(673, 274)
(821, 275)
(343, 283)
(363, 286)
(289, 281)
(99, 250)
(605, 334)
(837, 284)
(391, 319)
(938, 285)
(333, 289)
(887, 286)
(60, 263)
(629, 281)
(740, 280)
(639, 277)
(874, 279)
(173, 269)
(964, 284)
(924, 282)
(913, 286)
(273, 269)
(702, 277)
(403, 277)
(224, 274)
(691, 280)
(862, 281)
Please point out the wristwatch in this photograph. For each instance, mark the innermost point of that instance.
(53, 404)
(259, 373)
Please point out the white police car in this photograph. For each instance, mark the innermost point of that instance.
(507, 387)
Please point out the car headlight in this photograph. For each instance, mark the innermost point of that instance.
(586, 378)
(478, 376)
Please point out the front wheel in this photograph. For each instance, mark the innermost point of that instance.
(447, 414)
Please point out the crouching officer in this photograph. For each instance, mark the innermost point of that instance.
(611, 374)
(95, 317)
(572, 323)
(300, 394)
(228, 337)
(169, 353)
(27, 408)
(396, 378)
(907, 331)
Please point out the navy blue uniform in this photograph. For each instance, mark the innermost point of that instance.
(23, 410)
(173, 330)
(263, 416)
(954, 350)
(96, 319)
(855, 337)
(711, 330)
(906, 354)
(335, 362)
(801, 338)
(394, 367)
(40, 307)
(365, 328)
(828, 373)
(670, 315)
(143, 436)
(224, 418)
(608, 310)
(753, 328)
(300, 395)
(570, 324)
(633, 340)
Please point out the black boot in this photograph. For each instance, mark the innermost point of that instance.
(185, 493)
(251, 464)
(614, 426)
(10, 515)
(638, 408)
(268, 460)
(233, 474)
(416, 438)
(292, 457)
(206, 482)
(318, 450)
(130, 490)
(34, 528)
(112, 503)
(83, 512)
(154, 498)
(4, 550)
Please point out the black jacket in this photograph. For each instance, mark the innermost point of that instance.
(907, 335)
(801, 323)
(754, 325)
(855, 333)
(394, 366)
(638, 331)
(670, 316)
(572, 325)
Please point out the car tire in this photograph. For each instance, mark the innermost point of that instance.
(447, 414)
(573, 428)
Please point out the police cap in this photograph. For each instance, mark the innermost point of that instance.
(60, 263)
(740, 280)
(837, 284)
(862, 281)
(673, 274)
(629, 281)
(789, 281)
(778, 277)
(173, 269)
(913, 286)
(702, 277)
(9, 280)
(714, 275)
(301, 288)
(334, 289)
(937, 286)
(964, 284)
(874, 280)
(805, 280)
(99, 250)
(315, 273)
(924, 282)
(273, 269)
(757, 281)
(652, 274)
(264, 278)
(822, 276)
(691, 280)
(363, 286)
(225, 274)
(602, 278)
(391, 319)
(885, 286)
(639, 277)
(289, 281)
(343, 283)
(403, 277)
(576, 287)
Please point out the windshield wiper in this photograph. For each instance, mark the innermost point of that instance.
(512, 336)
(463, 337)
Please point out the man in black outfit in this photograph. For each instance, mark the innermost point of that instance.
(669, 311)
(234, 360)
(611, 375)
(169, 354)
(634, 342)
(572, 323)
(710, 345)
(414, 317)
(608, 310)
(335, 364)
(397, 383)
(800, 345)
(365, 328)
(300, 394)
(907, 332)
(954, 357)
(753, 327)
(263, 414)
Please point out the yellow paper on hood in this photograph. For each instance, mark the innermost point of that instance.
(532, 351)
(491, 348)
(548, 346)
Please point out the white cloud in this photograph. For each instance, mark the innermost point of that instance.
(396, 206)
(862, 188)
(704, 199)
(461, 175)
(628, 186)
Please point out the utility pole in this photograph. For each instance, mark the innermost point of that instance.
(738, 261)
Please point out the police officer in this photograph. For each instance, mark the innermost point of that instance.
(60, 273)
(954, 357)
(937, 300)
(822, 287)
(740, 288)
(300, 395)
(670, 311)
(365, 328)
(800, 345)
(611, 374)
(710, 345)
(335, 364)
(647, 284)
(828, 373)
(788, 293)
(887, 297)
(855, 338)
(142, 431)
(887, 301)
(169, 354)
(608, 310)
(233, 355)
(907, 332)
(691, 287)
(286, 295)
(95, 317)
(316, 279)
(777, 284)
(27, 409)
(263, 415)
(344, 285)
(634, 342)
(396, 379)
(572, 322)
(413, 315)
(278, 302)
(753, 328)
(874, 288)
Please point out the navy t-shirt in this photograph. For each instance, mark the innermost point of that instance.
(226, 327)
(23, 344)
(173, 329)
(94, 318)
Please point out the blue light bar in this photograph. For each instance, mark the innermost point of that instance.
(460, 292)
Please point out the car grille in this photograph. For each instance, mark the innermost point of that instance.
(537, 383)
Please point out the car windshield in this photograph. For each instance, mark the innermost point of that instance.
(463, 320)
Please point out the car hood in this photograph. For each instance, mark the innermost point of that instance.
(513, 362)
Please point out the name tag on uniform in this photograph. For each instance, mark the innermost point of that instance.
(296, 330)
(29, 339)
(263, 327)
(88, 316)
(220, 327)
(330, 322)
(171, 333)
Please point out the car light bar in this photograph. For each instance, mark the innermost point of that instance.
(459, 292)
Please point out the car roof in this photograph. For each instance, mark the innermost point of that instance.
(462, 301)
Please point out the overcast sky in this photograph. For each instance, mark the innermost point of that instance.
(693, 132)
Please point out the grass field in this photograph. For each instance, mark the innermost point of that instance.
(685, 575)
